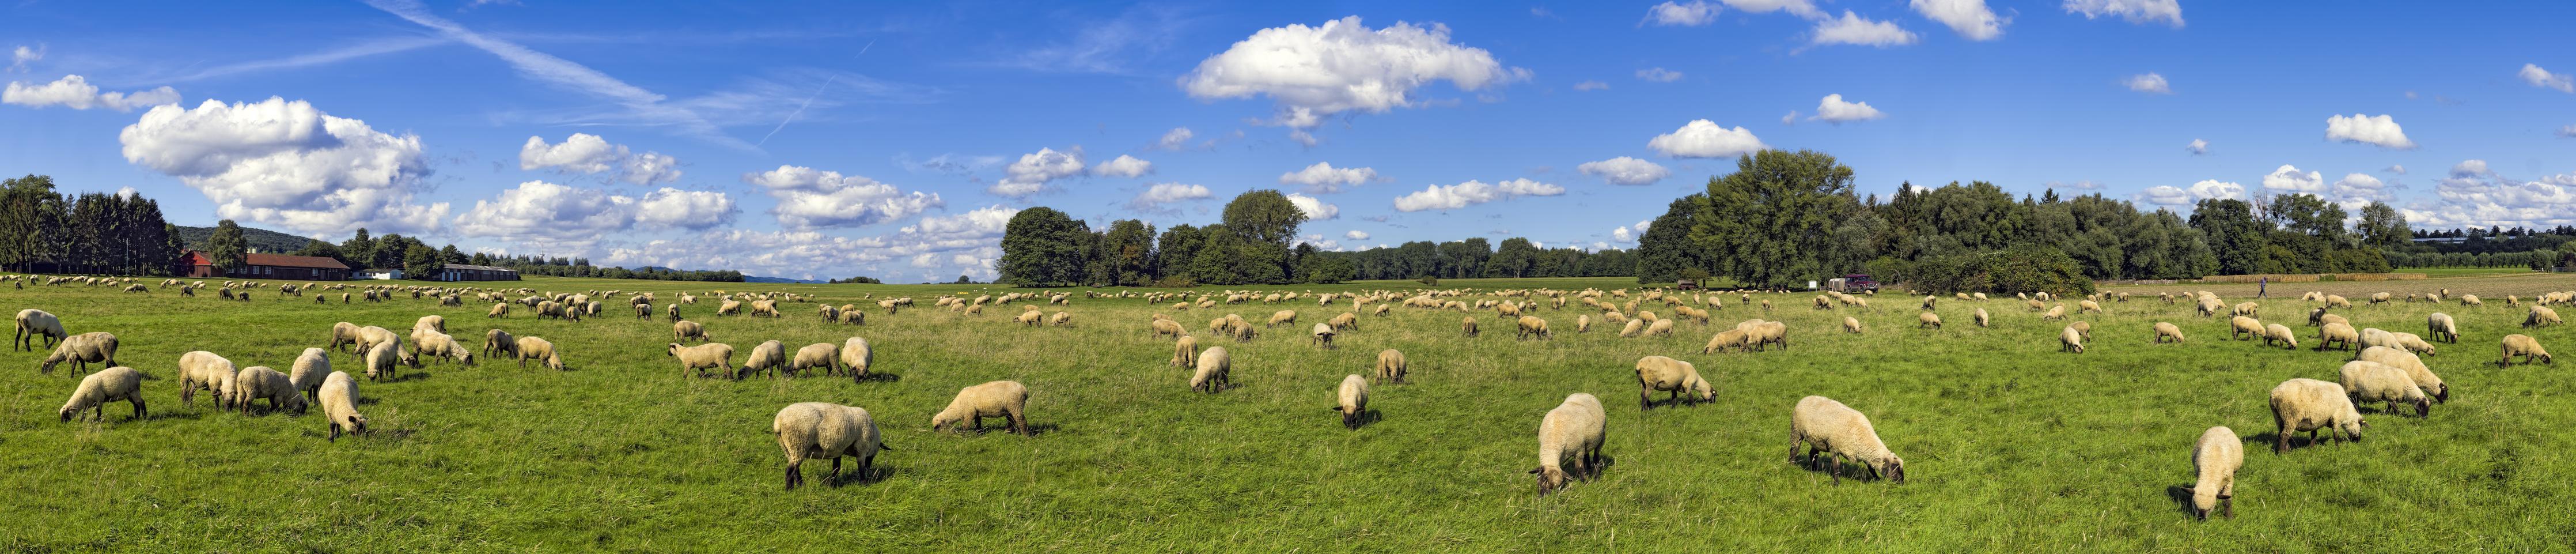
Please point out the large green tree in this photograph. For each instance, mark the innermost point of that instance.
(2236, 238)
(1666, 249)
(1130, 253)
(422, 262)
(1177, 251)
(1770, 223)
(1044, 247)
(227, 247)
(2381, 226)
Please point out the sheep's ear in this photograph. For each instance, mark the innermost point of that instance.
(1534, 471)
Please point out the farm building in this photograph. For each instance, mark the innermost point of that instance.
(464, 272)
(198, 264)
(380, 274)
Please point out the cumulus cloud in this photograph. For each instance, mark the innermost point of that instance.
(18, 57)
(1159, 194)
(2287, 179)
(1801, 8)
(2476, 195)
(1175, 139)
(1355, 234)
(2532, 73)
(2136, 11)
(1450, 197)
(1625, 170)
(288, 164)
(2197, 147)
(2172, 196)
(1970, 18)
(1035, 170)
(2380, 130)
(2150, 83)
(1702, 138)
(557, 214)
(587, 153)
(1853, 29)
(967, 243)
(1342, 66)
(2361, 188)
(1658, 74)
(1123, 166)
(1592, 85)
(1320, 242)
(2397, 169)
(811, 199)
(1692, 14)
(1834, 109)
(1621, 235)
(74, 92)
(1316, 209)
(1323, 178)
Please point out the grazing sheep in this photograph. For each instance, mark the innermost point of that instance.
(2279, 334)
(763, 308)
(1004, 399)
(2366, 381)
(1984, 320)
(2088, 306)
(260, 382)
(533, 348)
(1351, 400)
(685, 330)
(812, 430)
(2541, 316)
(1576, 429)
(2214, 461)
(856, 356)
(1468, 327)
(438, 344)
(430, 322)
(1634, 328)
(1661, 327)
(98, 389)
(1531, 327)
(309, 370)
(1826, 426)
(1163, 327)
(346, 334)
(1852, 325)
(2330, 319)
(1028, 318)
(1242, 331)
(769, 356)
(2241, 327)
(499, 309)
(855, 317)
(2412, 343)
(2070, 340)
(2309, 405)
(643, 310)
(2336, 301)
(33, 323)
(2337, 333)
(2424, 377)
(1322, 335)
(1185, 352)
(2442, 328)
(82, 349)
(703, 357)
(1282, 317)
(1658, 373)
(672, 311)
(338, 396)
(2524, 346)
(2471, 300)
(1390, 366)
(1763, 333)
(2083, 328)
(1927, 319)
(1583, 324)
(2379, 297)
(2054, 313)
(499, 342)
(729, 307)
(2168, 331)
(1214, 367)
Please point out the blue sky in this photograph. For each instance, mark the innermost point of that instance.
(892, 140)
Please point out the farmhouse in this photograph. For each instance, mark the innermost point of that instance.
(465, 272)
(197, 264)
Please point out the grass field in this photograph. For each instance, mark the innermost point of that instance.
(2009, 445)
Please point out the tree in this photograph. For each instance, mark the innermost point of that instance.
(1264, 216)
(1130, 251)
(1770, 222)
(451, 255)
(2235, 237)
(422, 262)
(1665, 250)
(313, 247)
(1177, 251)
(2383, 227)
(1043, 247)
(1516, 258)
(361, 251)
(227, 247)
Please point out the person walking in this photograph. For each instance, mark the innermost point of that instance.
(2262, 287)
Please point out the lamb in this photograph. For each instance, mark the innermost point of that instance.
(2442, 328)
(2541, 316)
(808, 430)
(2279, 334)
(769, 356)
(685, 330)
(1532, 327)
(1826, 426)
(2317, 316)
(2168, 331)
(2335, 301)
(2336, 332)
(822, 354)
(1852, 325)
(2214, 461)
(260, 382)
(2240, 327)
(1390, 366)
(1351, 400)
(338, 395)
(1658, 373)
(2424, 377)
(1576, 428)
(2304, 404)
(497, 341)
(310, 369)
(1766, 333)
(856, 356)
(1322, 335)
(2524, 346)
(1983, 320)
(82, 349)
(1927, 319)
(1214, 367)
(533, 348)
(98, 389)
(2366, 381)
(703, 357)
(499, 309)
(2070, 340)
(33, 323)
(1185, 352)
(1003, 399)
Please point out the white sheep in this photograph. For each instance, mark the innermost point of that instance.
(856, 357)
(684, 330)
(1351, 400)
(768, 356)
(1984, 320)
(533, 348)
(2304, 404)
(2526, 347)
(810, 430)
(98, 389)
(311, 368)
(1213, 371)
(2442, 328)
(33, 323)
(703, 357)
(1322, 335)
(499, 342)
(822, 354)
(2423, 376)
(1390, 366)
(259, 382)
(2070, 340)
(2337, 332)
(1575, 429)
(2366, 381)
(1004, 399)
(82, 349)
(1185, 352)
(2276, 333)
(2167, 331)
(1659, 373)
(338, 395)
(2214, 461)
(202, 369)
(1826, 426)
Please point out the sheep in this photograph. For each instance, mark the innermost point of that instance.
(2088, 306)
(763, 307)
(2335, 301)
(1531, 327)
(822, 354)
(1767, 333)
(1212, 374)
(2379, 297)
(703, 357)
(430, 322)
(1004, 399)
(2309, 405)
(856, 356)
(258, 382)
(1282, 317)
(441, 345)
(499, 342)
(202, 369)
(2471, 300)
(1346, 321)
(2330, 319)
(1185, 352)
(2279, 334)
(2442, 328)
(1468, 327)
(33, 323)
(1927, 319)
(672, 311)
(310, 369)
(1634, 328)
(2055, 313)
(2317, 316)
(1241, 331)
(2169, 331)
(644, 310)
(2541, 316)
(1583, 324)
(1162, 327)
(533, 348)
(1658, 373)
(1661, 327)
(1351, 400)
(2240, 327)
(1322, 336)
(1829, 427)
(2214, 461)
(684, 330)
(767, 356)
(381, 358)
(1984, 320)
(2412, 343)
(1576, 428)
(2525, 346)
(729, 307)
(2366, 381)
(2424, 377)
(2070, 340)
(1852, 325)
(82, 350)
(98, 389)
(2336, 332)
(809, 430)
(338, 396)
(1390, 366)
(1029, 319)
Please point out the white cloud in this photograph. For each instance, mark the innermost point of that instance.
(1342, 66)
(1320, 242)
(1642, 225)
(2136, 11)
(1704, 139)
(1123, 166)
(1693, 14)
(2532, 73)
(1620, 235)
(18, 57)
(2172, 196)
(1461, 195)
(2287, 179)
(1175, 139)
(1801, 8)
(74, 92)
(126, 192)
(1035, 170)
(1834, 109)
(1355, 234)
(2361, 188)
(2197, 147)
(685, 209)
(1790, 119)
(1625, 170)
(2379, 130)
(2469, 168)
(811, 199)
(1852, 29)
(1970, 18)
(1323, 178)
(587, 153)
(2475, 195)
(2087, 184)
(286, 163)
(1165, 193)
(1592, 85)
(2567, 131)
(2150, 83)
(2397, 169)
(556, 214)
(1316, 209)
(1658, 74)
(563, 74)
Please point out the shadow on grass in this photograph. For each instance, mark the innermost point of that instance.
(880, 378)
(2181, 495)
(860, 477)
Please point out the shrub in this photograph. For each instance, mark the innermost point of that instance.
(1428, 280)
(2020, 269)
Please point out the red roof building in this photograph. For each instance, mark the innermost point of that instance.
(197, 264)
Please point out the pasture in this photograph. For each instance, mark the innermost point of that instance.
(2008, 443)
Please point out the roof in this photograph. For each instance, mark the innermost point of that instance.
(480, 268)
(382, 269)
(282, 260)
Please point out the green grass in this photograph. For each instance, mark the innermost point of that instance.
(2442, 272)
(2009, 445)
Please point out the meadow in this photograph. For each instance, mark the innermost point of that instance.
(2009, 444)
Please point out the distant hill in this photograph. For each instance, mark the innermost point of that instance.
(264, 240)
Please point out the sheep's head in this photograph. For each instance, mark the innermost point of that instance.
(1549, 479)
(2354, 428)
(674, 350)
(2442, 393)
(1893, 469)
(943, 419)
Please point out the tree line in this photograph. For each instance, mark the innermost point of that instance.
(420, 261)
(42, 230)
(1252, 244)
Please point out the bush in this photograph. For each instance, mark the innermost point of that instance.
(2020, 269)
(1428, 280)
(1695, 275)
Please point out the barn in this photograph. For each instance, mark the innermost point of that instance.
(198, 264)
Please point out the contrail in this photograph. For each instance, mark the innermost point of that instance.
(809, 101)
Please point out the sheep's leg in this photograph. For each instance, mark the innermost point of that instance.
(1020, 424)
(794, 477)
(979, 422)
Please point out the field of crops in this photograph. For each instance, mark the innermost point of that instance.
(2009, 444)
